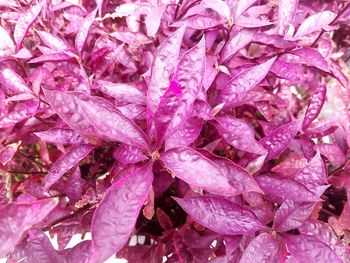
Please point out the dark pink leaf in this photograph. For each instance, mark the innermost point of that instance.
(305, 248)
(115, 217)
(315, 105)
(315, 23)
(79, 253)
(186, 164)
(54, 57)
(60, 136)
(71, 158)
(262, 249)
(12, 81)
(83, 32)
(290, 166)
(236, 88)
(279, 139)
(221, 215)
(291, 215)
(280, 188)
(21, 111)
(164, 63)
(17, 218)
(177, 102)
(239, 134)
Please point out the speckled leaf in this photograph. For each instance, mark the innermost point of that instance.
(237, 42)
(110, 122)
(221, 215)
(128, 154)
(122, 92)
(332, 152)
(280, 188)
(54, 42)
(164, 63)
(21, 111)
(286, 13)
(13, 83)
(305, 248)
(262, 249)
(279, 139)
(16, 218)
(60, 136)
(315, 105)
(290, 166)
(177, 102)
(7, 47)
(236, 176)
(24, 22)
(315, 23)
(239, 134)
(7, 152)
(185, 134)
(236, 88)
(311, 57)
(83, 32)
(72, 157)
(196, 170)
(291, 215)
(115, 217)
(313, 174)
(242, 6)
(69, 111)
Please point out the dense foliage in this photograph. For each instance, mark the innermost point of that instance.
(217, 130)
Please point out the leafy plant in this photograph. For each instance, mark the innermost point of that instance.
(217, 130)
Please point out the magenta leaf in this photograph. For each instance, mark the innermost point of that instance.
(7, 152)
(311, 57)
(263, 248)
(280, 188)
(71, 158)
(314, 174)
(237, 177)
(185, 134)
(242, 6)
(115, 217)
(286, 13)
(305, 248)
(111, 123)
(315, 106)
(239, 134)
(17, 218)
(237, 42)
(12, 81)
(83, 32)
(332, 152)
(60, 136)
(128, 154)
(163, 66)
(221, 215)
(236, 88)
(122, 92)
(186, 164)
(53, 41)
(291, 215)
(315, 23)
(24, 22)
(7, 47)
(177, 102)
(279, 139)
